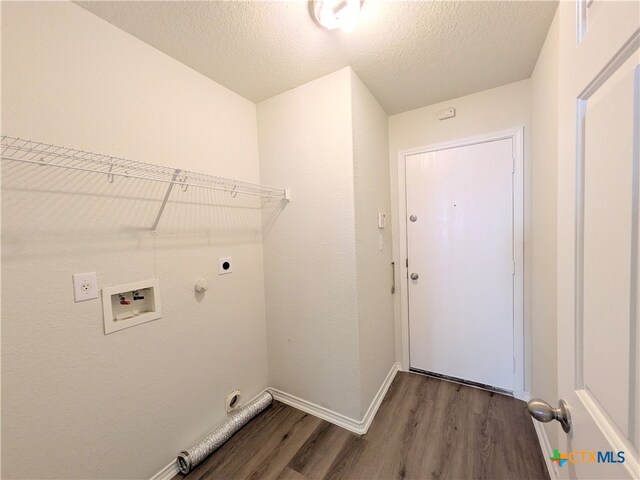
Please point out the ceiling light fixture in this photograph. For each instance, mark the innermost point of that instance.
(332, 14)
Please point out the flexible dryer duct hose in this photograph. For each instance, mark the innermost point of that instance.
(216, 437)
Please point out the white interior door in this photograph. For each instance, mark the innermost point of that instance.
(460, 237)
(598, 236)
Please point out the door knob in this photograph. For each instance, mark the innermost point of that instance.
(543, 412)
(414, 276)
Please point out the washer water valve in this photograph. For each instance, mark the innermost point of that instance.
(202, 285)
(128, 305)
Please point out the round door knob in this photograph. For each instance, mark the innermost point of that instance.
(543, 412)
(413, 218)
(414, 276)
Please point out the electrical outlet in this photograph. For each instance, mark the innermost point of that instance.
(85, 286)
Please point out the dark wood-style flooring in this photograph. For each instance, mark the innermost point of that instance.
(426, 428)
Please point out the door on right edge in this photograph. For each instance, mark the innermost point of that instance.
(598, 140)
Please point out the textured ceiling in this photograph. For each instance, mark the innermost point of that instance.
(409, 54)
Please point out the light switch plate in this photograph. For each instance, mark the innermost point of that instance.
(85, 286)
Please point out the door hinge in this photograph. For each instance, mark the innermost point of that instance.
(514, 364)
(513, 267)
(513, 165)
(407, 263)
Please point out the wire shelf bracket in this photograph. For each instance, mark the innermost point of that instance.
(15, 149)
(164, 202)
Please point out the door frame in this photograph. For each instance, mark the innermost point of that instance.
(520, 375)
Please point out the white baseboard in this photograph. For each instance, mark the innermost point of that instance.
(547, 452)
(356, 426)
(377, 400)
(168, 472)
(360, 427)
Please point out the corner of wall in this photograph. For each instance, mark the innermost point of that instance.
(329, 349)
(373, 244)
(305, 139)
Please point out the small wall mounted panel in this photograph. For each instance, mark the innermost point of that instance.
(128, 305)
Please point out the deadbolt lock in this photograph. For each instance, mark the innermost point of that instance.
(413, 218)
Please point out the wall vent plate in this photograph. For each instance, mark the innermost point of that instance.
(125, 306)
(225, 265)
(232, 401)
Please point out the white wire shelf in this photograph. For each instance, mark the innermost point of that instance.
(14, 149)
(29, 151)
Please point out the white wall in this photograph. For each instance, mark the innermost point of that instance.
(77, 403)
(373, 260)
(544, 174)
(121, 406)
(305, 138)
(484, 112)
(329, 312)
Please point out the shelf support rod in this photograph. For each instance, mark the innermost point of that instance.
(164, 200)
